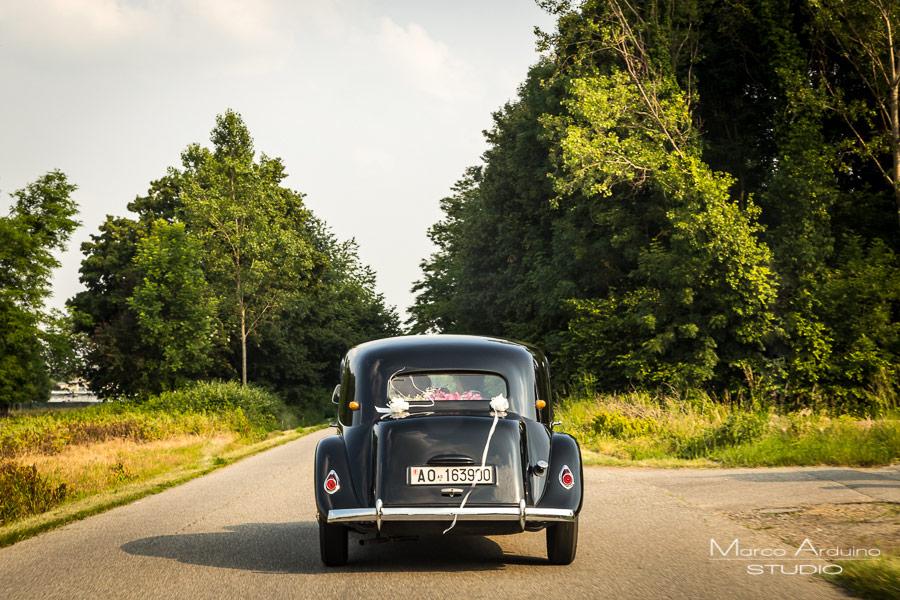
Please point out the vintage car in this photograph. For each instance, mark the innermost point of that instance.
(446, 435)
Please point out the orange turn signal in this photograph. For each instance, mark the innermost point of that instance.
(354, 405)
(540, 404)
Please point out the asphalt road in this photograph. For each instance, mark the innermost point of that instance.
(249, 531)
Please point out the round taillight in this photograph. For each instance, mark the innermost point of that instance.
(332, 483)
(566, 478)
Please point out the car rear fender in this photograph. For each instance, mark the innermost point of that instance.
(331, 455)
(564, 452)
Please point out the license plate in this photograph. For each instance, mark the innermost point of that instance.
(445, 475)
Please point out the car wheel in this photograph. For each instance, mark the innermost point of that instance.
(562, 541)
(333, 544)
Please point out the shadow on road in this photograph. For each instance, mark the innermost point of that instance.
(294, 548)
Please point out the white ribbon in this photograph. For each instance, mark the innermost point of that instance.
(499, 404)
(398, 407)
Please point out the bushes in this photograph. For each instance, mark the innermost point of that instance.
(620, 426)
(262, 408)
(739, 428)
(52, 432)
(199, 409)
(24, 492)
(640, 426)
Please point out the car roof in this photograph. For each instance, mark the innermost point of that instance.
(369, 366)
(445, 346)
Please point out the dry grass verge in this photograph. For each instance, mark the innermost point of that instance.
(109, 474)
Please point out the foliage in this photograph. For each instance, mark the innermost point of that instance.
(172, 303)
(251, 227)
(262, 408)
(24, 492)
(621, 426)
(115, 352)
(39, 224)
(73, 454)
(667, 430)
(53, 432)
(297, 351)
(871, 579)
(198, 409)
(690, 195)
(63, 347)
(265, 291)
(739, 428)
(864, 33)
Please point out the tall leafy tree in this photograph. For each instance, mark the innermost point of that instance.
(866, 34)
(249, 226)
(701, 292)
(195, 242)
(175, 312)
(63, 346)
(297, 351)
(115, 351)
(39, 224)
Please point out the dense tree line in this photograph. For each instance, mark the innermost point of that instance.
(34, 347)
(223, 272)
(691, 194)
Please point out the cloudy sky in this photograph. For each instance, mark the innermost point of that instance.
(376, 107)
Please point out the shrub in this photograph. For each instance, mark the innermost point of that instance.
(739, 428)
(24, 492)
(621, 426)
(261, 407)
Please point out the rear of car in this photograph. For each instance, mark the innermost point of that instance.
(446, 435)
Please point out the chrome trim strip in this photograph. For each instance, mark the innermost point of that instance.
(413, 513)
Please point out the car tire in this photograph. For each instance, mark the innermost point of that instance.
(333, 544)
(562, 541)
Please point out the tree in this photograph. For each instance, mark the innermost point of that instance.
(115, 354)
(175, 312)
(249, 226)
(867, 34)
(39, 223)
(297, 351)
(253, 251)
(63, 346)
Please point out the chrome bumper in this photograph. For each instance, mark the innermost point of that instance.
(380, 513)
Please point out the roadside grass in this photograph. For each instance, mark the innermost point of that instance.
(81, 461)
(140, 486)
(877, 579)
(644, 429)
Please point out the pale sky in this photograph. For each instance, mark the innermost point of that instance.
(376, 107)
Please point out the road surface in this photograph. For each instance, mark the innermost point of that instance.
(249, 531)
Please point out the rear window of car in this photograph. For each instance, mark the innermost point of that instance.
(433, 388)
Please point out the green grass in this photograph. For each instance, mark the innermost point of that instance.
(55, 458)
(139, 487)
(641, 428)
(872, 579)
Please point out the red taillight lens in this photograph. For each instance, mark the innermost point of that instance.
(332, 483)
(566, 478)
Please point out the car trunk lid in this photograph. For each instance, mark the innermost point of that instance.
(446, 442)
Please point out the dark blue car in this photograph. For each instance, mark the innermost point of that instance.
(451, 435)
